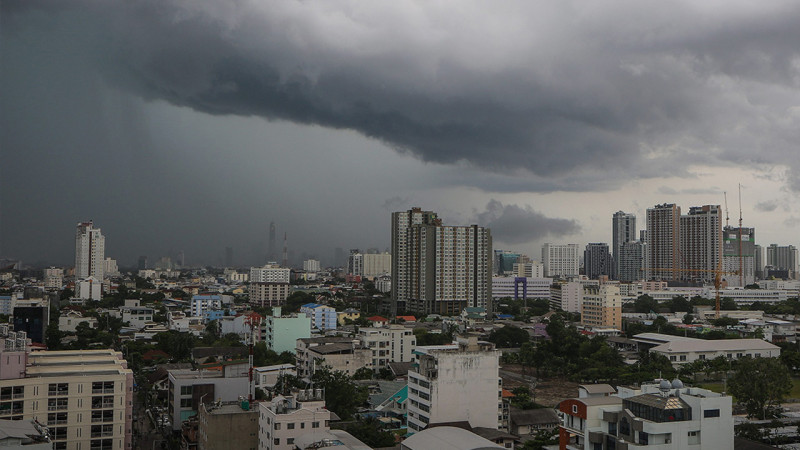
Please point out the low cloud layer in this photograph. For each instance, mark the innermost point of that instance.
(514, 224)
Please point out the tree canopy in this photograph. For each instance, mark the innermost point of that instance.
(760, 384)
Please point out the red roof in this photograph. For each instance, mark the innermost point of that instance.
(408, 318)
(507, 393)
(378, 319)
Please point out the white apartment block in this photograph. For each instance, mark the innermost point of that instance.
(454, 383)
(89, 288)
(355, 263)
(377, 264)
(110, 268)
(567, 296)
(701, 242)
(311, 265)
(189, 388)
(383, 283)
(285, 419)
(394, 343)
(270, 273)
(561, 260)
(338, 353)
(89, 251)
(70, 320)
(84, 397)
(662, 415)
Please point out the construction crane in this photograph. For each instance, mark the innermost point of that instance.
(718, 272)
(253, 320)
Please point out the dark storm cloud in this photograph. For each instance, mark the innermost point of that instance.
(766, 206)
(514, 224)
(549, 93)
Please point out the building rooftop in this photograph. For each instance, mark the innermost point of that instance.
(598, 388)
(229, 408)
(703, 345)
(658, 401)
(448, 438)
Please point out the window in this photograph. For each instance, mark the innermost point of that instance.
(683, 357)
(277, 425)
(277, 441)
(612, 428)
(290, 441)
(57, 404)
(58, 433)
(314, 424)
(186, 403)
(57, 418)
(290, 426)
(702, 356)
(54, 389)
(673, 358)
(575, 409)
(186, 390)
(643, 438)
(710, 413)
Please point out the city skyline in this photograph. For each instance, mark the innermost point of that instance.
(537, 122)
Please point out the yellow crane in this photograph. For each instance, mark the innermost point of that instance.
(718, 272)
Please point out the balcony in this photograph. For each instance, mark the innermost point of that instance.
(103, 391)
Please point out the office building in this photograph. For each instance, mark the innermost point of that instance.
(455, 383)
(701, 243)
(561, 260)
(759, 262)
(596, 260)
(601, 307)
(521, 288)
(660, 415)
(89, 251)
(504, 261)
(32, 318)
(401, 253)
(783, 258)
(84, 397)
(201, 304)
(738, 255)
(623, 228)
(568, 295)
(663, 242)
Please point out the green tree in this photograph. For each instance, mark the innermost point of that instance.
(508, 337)
(645, 304)
(727, 304)
(369, 431)
(760, 384)
(688, 319)
(342, 395)
(363, 373)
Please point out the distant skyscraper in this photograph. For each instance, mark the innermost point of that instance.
(89, 251)
(561, 260)
(632, 256)
(142, 264)
(701, 242)
(401, 252)
(355, 262)
(272, 249)
(596, 260)
(623, 227)
(504, 261)
(783, 258)
(739, 255)
(663, 242)
(759, 261)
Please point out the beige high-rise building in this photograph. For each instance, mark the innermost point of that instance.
(701, 242)
(601, 306)
(377, 264)
(84, 397)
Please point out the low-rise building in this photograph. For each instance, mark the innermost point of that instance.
(394, 343)
(601, 306)
(663, 415)
(338, 353)
(455, 383)
(189, 388)
(69, 321)
(227, 425)
(322, 317)
(282, 332)
(284, 419)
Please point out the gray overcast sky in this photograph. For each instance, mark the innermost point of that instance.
(191, 125)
